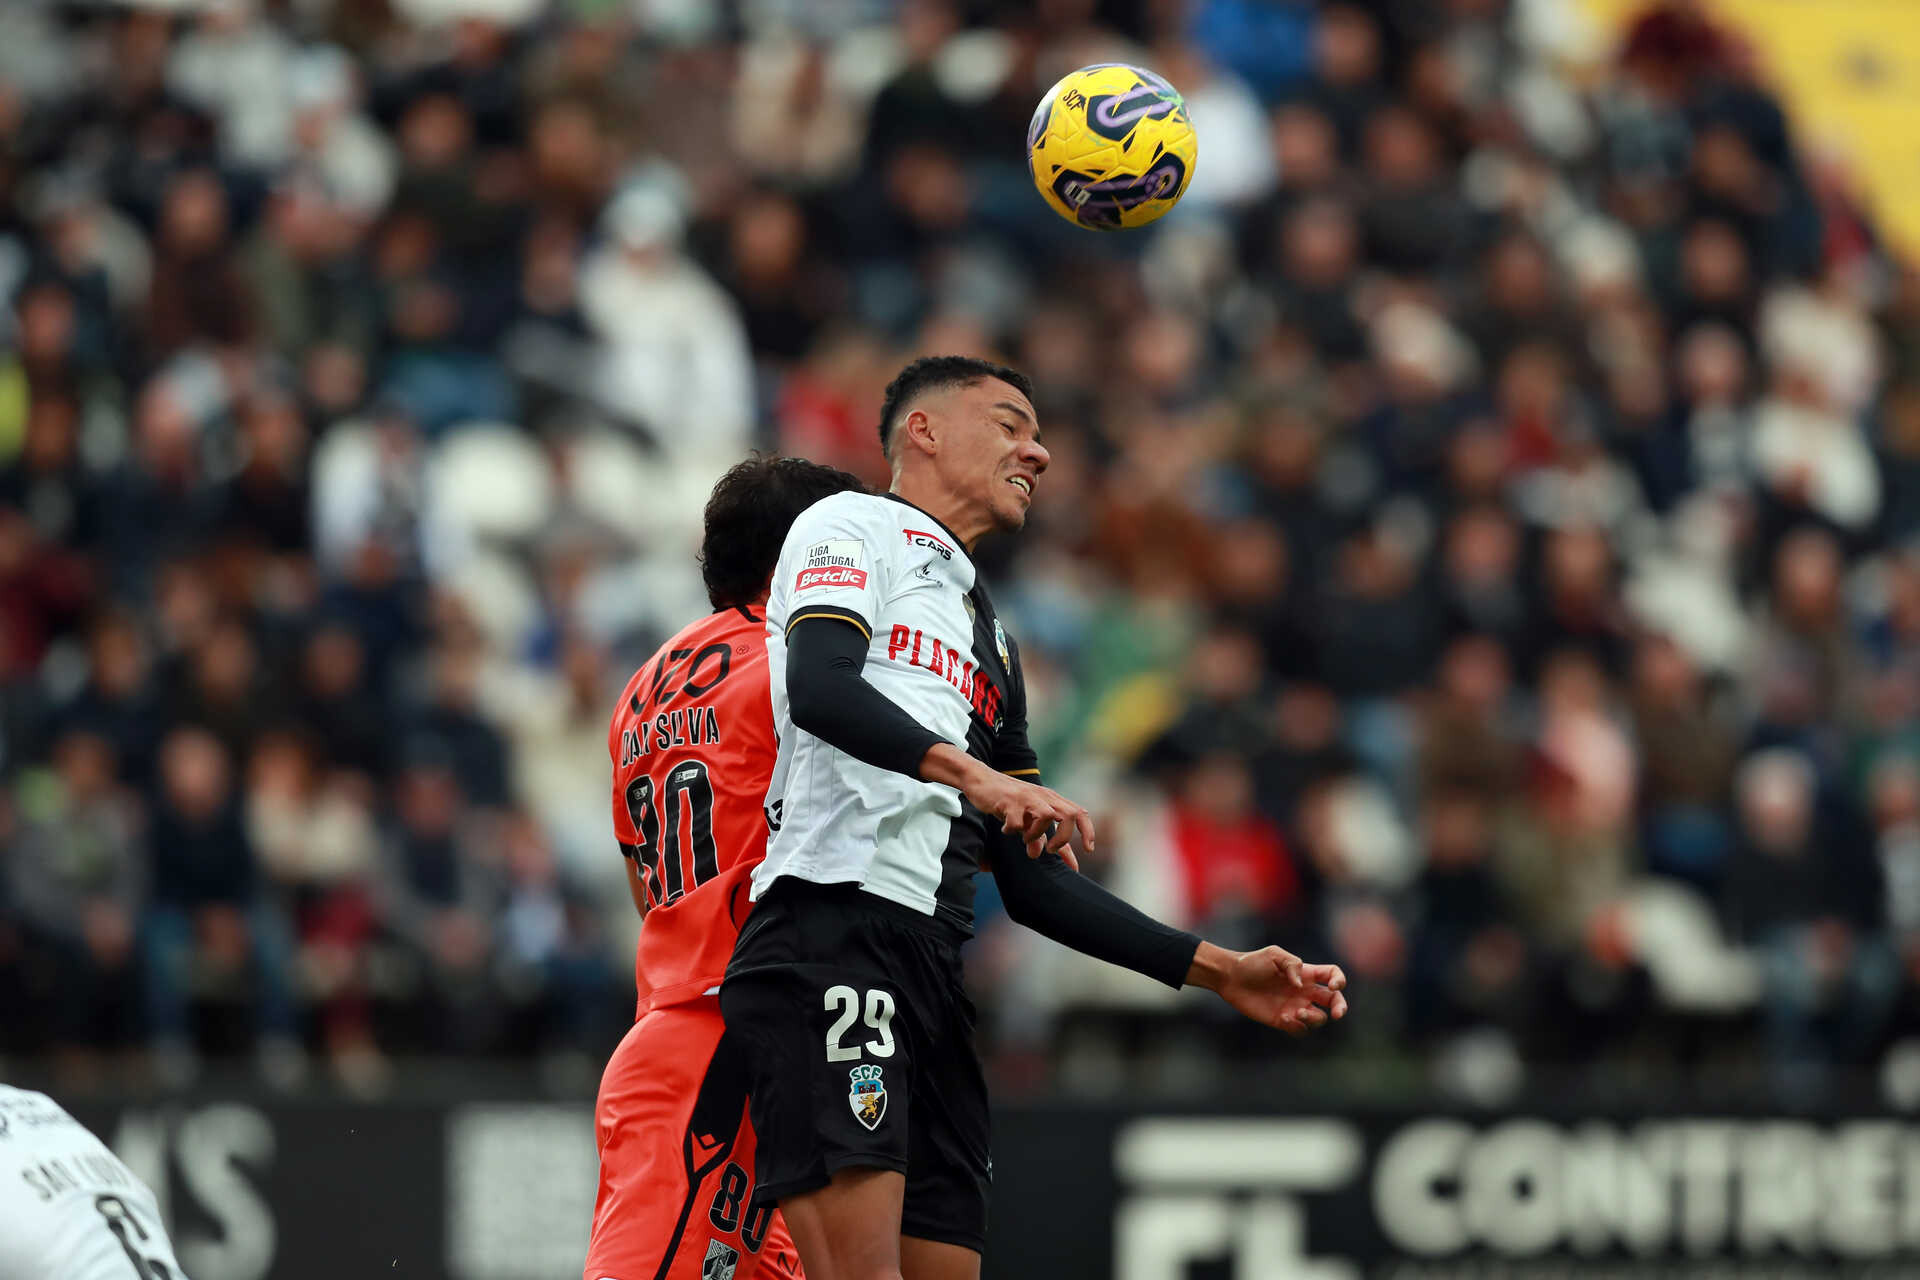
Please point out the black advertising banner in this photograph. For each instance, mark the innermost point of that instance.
(1406, 1196)
(257, 1188)
(503, 1190)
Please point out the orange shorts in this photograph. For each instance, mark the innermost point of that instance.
(676, 1160)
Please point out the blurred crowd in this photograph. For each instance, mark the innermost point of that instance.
(1479, 548)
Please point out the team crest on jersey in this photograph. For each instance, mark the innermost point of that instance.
(868, 1095)
(1000, 645)
(722, 1260)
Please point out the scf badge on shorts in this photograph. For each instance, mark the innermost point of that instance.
(867, 1096)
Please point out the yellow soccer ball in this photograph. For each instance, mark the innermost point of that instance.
(1111, 146)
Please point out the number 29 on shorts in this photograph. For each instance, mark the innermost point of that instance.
(846, 1002)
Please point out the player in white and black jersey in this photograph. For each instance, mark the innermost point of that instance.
(903, 768)
(69, 1209)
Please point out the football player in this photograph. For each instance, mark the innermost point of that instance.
(692, 746)
(69, 1209)
(903, 767)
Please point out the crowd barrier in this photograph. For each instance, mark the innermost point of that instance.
(486, 1189)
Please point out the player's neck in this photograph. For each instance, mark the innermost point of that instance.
(961, 520)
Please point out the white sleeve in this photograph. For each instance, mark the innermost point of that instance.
(836, 562)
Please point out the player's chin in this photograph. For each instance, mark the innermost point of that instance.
(1011, 514)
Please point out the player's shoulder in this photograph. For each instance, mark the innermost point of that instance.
(848, 509)
(722, 627)
(855, 500)
(14, 1098)
(719, 627)
(709, 647)
(858, 530)
(26, 1110)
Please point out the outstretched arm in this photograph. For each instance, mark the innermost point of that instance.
(1053, 900)
(1272, 986)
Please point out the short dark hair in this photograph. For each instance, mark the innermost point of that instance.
(931, 372)
(748, 516)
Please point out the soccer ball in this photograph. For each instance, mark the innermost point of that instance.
(1111, 146)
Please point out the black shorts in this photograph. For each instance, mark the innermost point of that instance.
(859, 1038)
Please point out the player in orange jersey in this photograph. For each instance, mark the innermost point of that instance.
(693, 747)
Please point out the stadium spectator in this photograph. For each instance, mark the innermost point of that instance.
(77, 879)
(1808, 893)
(676, 357)
(1469, 959)
(209, 919)
(1687, 761)
(314, 834)
(440, 896)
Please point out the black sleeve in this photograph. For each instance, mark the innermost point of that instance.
(1013, 755)
(828, 698)
(1053, 900)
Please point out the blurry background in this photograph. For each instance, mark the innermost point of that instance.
(1480, 549)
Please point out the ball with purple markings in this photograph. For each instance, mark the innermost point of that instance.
(1111, 146)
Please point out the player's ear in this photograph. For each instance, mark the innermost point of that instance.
(919, 432)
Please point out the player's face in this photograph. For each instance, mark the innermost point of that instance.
(993, 457)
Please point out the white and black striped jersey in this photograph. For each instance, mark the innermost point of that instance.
(69, 1208)
(937, 651)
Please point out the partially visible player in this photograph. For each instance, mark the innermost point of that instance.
(69, 1209)
(692, 745)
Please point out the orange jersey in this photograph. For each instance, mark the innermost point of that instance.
(693, 747)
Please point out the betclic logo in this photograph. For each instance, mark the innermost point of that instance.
(837, 576)
(837, 562)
